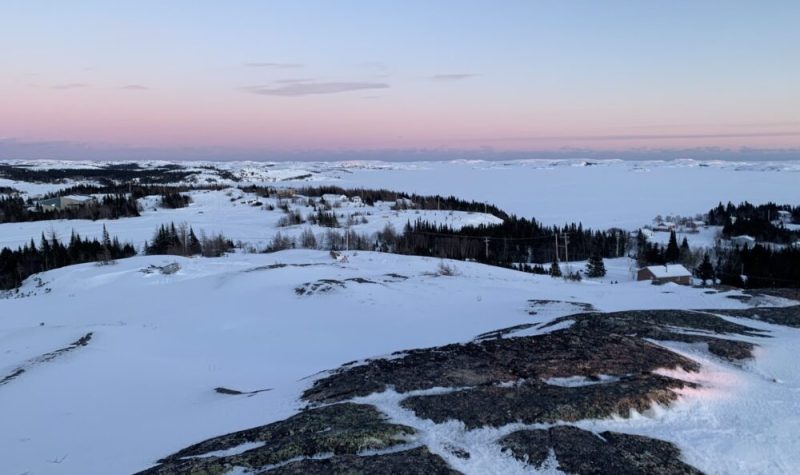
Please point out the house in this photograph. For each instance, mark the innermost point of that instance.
(743, 240)
(784, 217)
(65, 202)
(666, 273)
(403, 203)
(333, 199)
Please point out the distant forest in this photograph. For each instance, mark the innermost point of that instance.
(776, 264)
(755, 221)
(107, 174)
(14, 209)
(50, 253)
(517, 242)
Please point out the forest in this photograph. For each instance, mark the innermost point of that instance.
(14, 209)
(757, 221)
(50, 253)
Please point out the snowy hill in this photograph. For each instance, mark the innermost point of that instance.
(160, 343)
(153, 363)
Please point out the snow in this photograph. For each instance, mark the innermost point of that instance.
(214, 212)
(578, 381)
(743, 420)
(144, 385)
(161, 343)
(80, 198)
(705, 237)
(599, 193)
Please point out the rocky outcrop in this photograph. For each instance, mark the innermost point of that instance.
(339, 429)
(491, 362)
(537, 402)
(582, 452)
(786, 316)
(417, 461)
(591, 365)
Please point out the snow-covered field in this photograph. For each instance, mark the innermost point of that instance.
(143, 387)
(229, 213)
(598, 193)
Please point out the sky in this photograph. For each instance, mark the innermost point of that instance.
(439, 78)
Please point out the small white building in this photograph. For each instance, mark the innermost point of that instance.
(66, 202)
(333, 199)
(785, 217)
(404, 203)
(743, 240)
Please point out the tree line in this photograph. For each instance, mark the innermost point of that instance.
(755, 220)
(50, 253)
(370, 196)
(515, 240)
(14, 209)
(106, 174)
(181, 240)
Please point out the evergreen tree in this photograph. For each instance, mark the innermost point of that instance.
(595, 267)
(705, 270)
(673, 253)
(555, 269)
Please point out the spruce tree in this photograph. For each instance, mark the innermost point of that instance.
(705, 270)
(673, 253)
(595, 267)
(555, 269)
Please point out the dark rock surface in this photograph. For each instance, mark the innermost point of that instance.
(558, 354)
(536, 402)
(787, 316)
(672, 325)
(417, 461)
(339, 429)
(585, 453)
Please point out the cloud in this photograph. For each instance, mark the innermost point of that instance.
(309, 88)
(266, 64)
(11, 149)
(622, 137)
(453, 76)
(731, 135)
(135, 87)
(71, 85)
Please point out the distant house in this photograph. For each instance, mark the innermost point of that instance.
(403, 203)
(333, 199)
(65, 202)
(743, 240)
(666, 273)
(646, 232)
(662, 227)
(785, 217)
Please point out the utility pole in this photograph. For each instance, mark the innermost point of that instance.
(556, 247)
(617, 233)
(486, 243)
